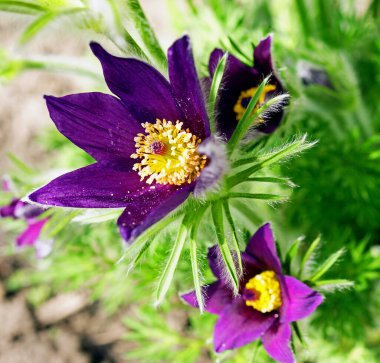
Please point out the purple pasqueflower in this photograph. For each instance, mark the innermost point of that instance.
(145, 142)
(268, 301)
(18, 209)
(240, 83)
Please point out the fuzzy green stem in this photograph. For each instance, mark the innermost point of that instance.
(217, 216)
(146, 32)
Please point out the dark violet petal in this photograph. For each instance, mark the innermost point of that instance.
(96, 122)
(298, 300)
(186, 87)
(276, 342)
(262, 56)
(239, 325)
(30, 235)
(216, 297)
(145, 92)
(216, 263)
(142, 212)
(237, 77)
(95, 186)
(263, 249)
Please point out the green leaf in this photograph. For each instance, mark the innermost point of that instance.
(327, 265)
(336, 283)
(258, 196)
(37, 26)
(216, 81)
(217, 216)
(286, 151)
(171, 264)
(234, 236)
(194, 261)
(291, 253)
(90, 216)
(240, 52)
(142, 242)
(308, 254)
(246, 121)
(146, 32)
(132, 47)
(264, 179)
(20, 165)
(21, 7)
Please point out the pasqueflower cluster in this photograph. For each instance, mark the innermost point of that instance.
(153, 149)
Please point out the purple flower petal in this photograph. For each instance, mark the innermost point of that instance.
(31, 233)
(216, 297)
(239, 325)
(237, 77)
(145, 92)
(298, 300)
(216, 263)
(96, 122)
(11, 209)
(98, 186)
(262, 56)
(276, 342)
(217, 165)
(154, 204)
(186, 87)
(263, 249)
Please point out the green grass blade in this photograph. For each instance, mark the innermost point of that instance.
(217, 216)
(171, 264)
(216, 81)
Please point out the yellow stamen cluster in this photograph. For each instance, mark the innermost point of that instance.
(267, 292)
(168, 154)
(239, 108)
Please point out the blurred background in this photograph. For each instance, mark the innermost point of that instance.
(77, 305)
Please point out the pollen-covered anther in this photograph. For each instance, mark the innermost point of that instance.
(263, 292)
(168, 154)
(245, 97)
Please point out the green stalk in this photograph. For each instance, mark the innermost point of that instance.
(146, 32)
(234, 236)
(217, 216)
(194, 259)
(172, 262)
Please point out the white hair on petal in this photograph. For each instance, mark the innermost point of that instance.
(215, 150)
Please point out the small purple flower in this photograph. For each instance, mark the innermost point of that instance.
(18, 209)
(240, 83)
(267, 303)
(145, 142)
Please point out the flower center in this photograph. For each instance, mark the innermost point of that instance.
(245, 97)
(263, 292)
(168, 154)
